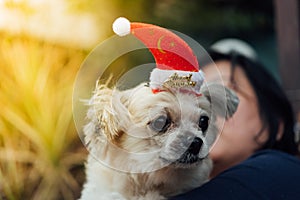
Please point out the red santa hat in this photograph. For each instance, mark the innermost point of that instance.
(177, 67)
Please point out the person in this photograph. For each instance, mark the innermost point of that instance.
(255, 154)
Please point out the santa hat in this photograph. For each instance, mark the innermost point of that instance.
(177, 67)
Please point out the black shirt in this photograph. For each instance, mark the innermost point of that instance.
(268, 174)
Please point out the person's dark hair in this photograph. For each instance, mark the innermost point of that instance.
(274, 106)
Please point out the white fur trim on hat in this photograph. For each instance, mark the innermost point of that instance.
(159, 76)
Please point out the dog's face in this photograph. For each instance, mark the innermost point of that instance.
(162, 129)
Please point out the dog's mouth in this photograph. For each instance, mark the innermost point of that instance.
(191, 155)
(188, 158)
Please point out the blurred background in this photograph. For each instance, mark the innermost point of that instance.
(42, 45)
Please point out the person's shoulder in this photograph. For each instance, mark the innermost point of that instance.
(274, 153)
(267, 166)
(269, 159)
(268, 174)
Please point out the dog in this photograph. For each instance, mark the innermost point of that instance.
(146, 145)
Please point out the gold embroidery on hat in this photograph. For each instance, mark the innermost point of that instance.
(159, 44)
(176, 81)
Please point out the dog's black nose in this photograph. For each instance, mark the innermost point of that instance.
(195, 147)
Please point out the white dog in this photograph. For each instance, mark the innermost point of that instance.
(151, 146)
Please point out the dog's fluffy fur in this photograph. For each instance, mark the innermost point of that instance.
(129, 159)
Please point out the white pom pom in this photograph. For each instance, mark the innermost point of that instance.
(121, 26)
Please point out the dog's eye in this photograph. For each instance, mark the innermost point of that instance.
(160, 124)
(203, 123)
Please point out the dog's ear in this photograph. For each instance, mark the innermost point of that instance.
(223, 101)
(102, 114)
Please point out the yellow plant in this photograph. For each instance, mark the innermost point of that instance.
(41, 156)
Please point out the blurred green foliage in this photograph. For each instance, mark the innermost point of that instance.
(41, 156)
